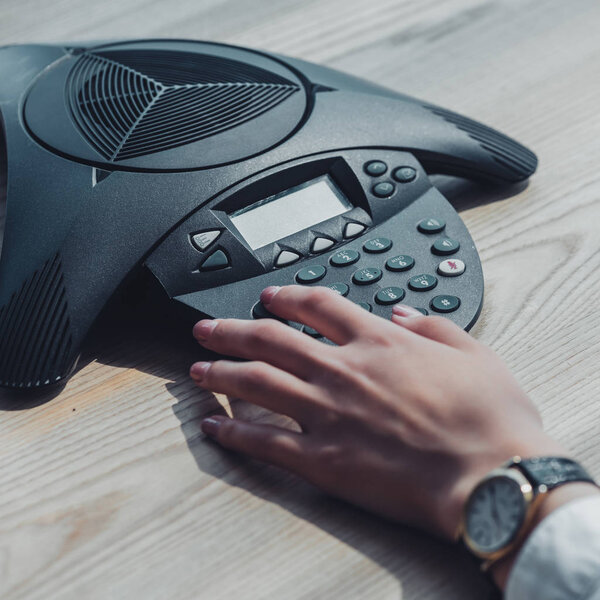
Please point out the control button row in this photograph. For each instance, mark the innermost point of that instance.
(403, 174)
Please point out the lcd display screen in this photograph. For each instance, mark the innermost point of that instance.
(291, 211)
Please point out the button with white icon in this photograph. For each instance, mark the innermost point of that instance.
(444, 303)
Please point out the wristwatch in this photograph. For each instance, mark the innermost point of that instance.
(499, 511)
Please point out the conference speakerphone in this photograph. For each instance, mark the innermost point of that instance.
(220, 171)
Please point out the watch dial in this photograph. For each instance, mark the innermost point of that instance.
(495, 512)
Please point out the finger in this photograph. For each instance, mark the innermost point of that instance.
(438, 329)
(332, 315)
(258, 383)
(268, 443)
(265, 340)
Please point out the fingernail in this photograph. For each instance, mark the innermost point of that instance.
(198, 370)
(268, 294)
(203, 329)
(402, 310)
(210, 426)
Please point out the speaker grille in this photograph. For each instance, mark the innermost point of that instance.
(35, 336)
(504, 150)
(130, 103)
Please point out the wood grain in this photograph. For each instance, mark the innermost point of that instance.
(108, 490)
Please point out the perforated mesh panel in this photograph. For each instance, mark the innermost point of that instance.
(130, 103)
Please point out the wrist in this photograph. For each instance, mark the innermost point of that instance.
(554, 499)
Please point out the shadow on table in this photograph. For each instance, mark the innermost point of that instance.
(421, 564)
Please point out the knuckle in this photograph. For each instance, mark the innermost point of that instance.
(263, 329)
(254, 374)
(316, 297)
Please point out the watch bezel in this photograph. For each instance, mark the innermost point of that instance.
(528, 493)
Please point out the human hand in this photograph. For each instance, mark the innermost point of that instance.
(402, 417)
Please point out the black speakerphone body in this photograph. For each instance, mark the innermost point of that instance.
(221, 170)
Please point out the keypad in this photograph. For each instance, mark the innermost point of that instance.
(344, 258)
(311, 274)
(367, 276)
(389, 295)
(423, 282)
(445, 246)
(402, 262)
(378, 244)
(390, 271)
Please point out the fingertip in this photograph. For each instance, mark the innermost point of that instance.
(211, 425)
(268, 294)
(203, 329)
(405, 312)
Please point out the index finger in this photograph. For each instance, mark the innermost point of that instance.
(321, 308)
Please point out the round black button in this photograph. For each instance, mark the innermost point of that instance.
(422, 283)
(402, 262)
(431, 225)
(364, 305)
(310, 331)
(311, 274)
(341, 288)
(366, 276)
(421, 310)
(445, 246)
(260, 312)
(389, 295)
(375, 168)
(444, 303)
(404, 174)
(378, 244)
(344, 257)
(383, 189)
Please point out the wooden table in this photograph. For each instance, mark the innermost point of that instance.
(109, 489)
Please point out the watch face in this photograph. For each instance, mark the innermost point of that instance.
(494, 514)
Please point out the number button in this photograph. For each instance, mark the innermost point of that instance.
(365, 305)
(444, 303)
(431, 225)
(341, 288)
(389, 295)
(376, 245)
(402, 262)
(310, 331)
(367, 276)
(422, 283)
(445, 246)
(344, 257)
(311, 274)
(260, 312)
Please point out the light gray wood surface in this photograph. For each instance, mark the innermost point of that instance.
(109, 489)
